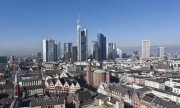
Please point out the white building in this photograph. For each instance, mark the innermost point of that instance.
(119, 53)
(175, 64)
(155, 83)
(176, 90)
(172, 82)
(82, 44)
(161, 52)
(145, 48)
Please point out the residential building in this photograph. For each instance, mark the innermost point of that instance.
(161, 52)
(155, 83)
(145, 48)
(3, 59)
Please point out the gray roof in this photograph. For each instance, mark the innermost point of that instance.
(52, 100)
(34, 87)
(53, 72)
(157, 80)
(83, 95)
(154, 101)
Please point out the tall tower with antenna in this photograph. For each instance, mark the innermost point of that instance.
(78, 39)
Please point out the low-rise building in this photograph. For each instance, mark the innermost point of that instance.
(155, 83)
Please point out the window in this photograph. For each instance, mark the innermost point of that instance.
(178, 65)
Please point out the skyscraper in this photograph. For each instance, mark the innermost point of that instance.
(59, 50)
(119, 53)
(74, 53)
(68, 51)
(101, 43)
(78, 39)
(110, 50)
(94, 50)
(39, 55)
(81, 42)
(145, 48)
(112, 53)
(49, 50)
(161, 52)
(83, 45)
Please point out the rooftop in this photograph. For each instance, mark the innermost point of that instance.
(99, 71)
(94, 106)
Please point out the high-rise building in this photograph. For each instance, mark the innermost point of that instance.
(82, 42)
(84, 45)
(59, 50)
(55, 51)
(161, 52)
(145, 48)
(94, 50)
(68, 51)
(112, 53)
(39, 55)
(74, 53)
(110, 50)
(79, 39)
(3, 59)
(49, 50)
(12, 58)
(101, 43)
(119, 53)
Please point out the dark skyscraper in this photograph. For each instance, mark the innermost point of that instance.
(55, 52)
(68, 51)
(83, 45)
(74, 53)
(39, 55)
(3, 59)
(94, 50)
(59, 50)
(101, 43)
(112, 53)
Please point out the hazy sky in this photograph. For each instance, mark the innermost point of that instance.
(24, 23)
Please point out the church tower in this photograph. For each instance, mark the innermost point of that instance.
(16, 86)
(89, 74)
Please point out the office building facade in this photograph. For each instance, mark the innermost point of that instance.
(101, 43)
(74, 53)
(68, 51)
(49, 50)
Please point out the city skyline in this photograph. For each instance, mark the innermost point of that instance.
(24, 24)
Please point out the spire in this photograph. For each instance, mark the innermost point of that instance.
(16, 78)
(16, 86)
(99, 30)
(78, 20)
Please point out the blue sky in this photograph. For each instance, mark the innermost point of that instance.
(24, 23)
